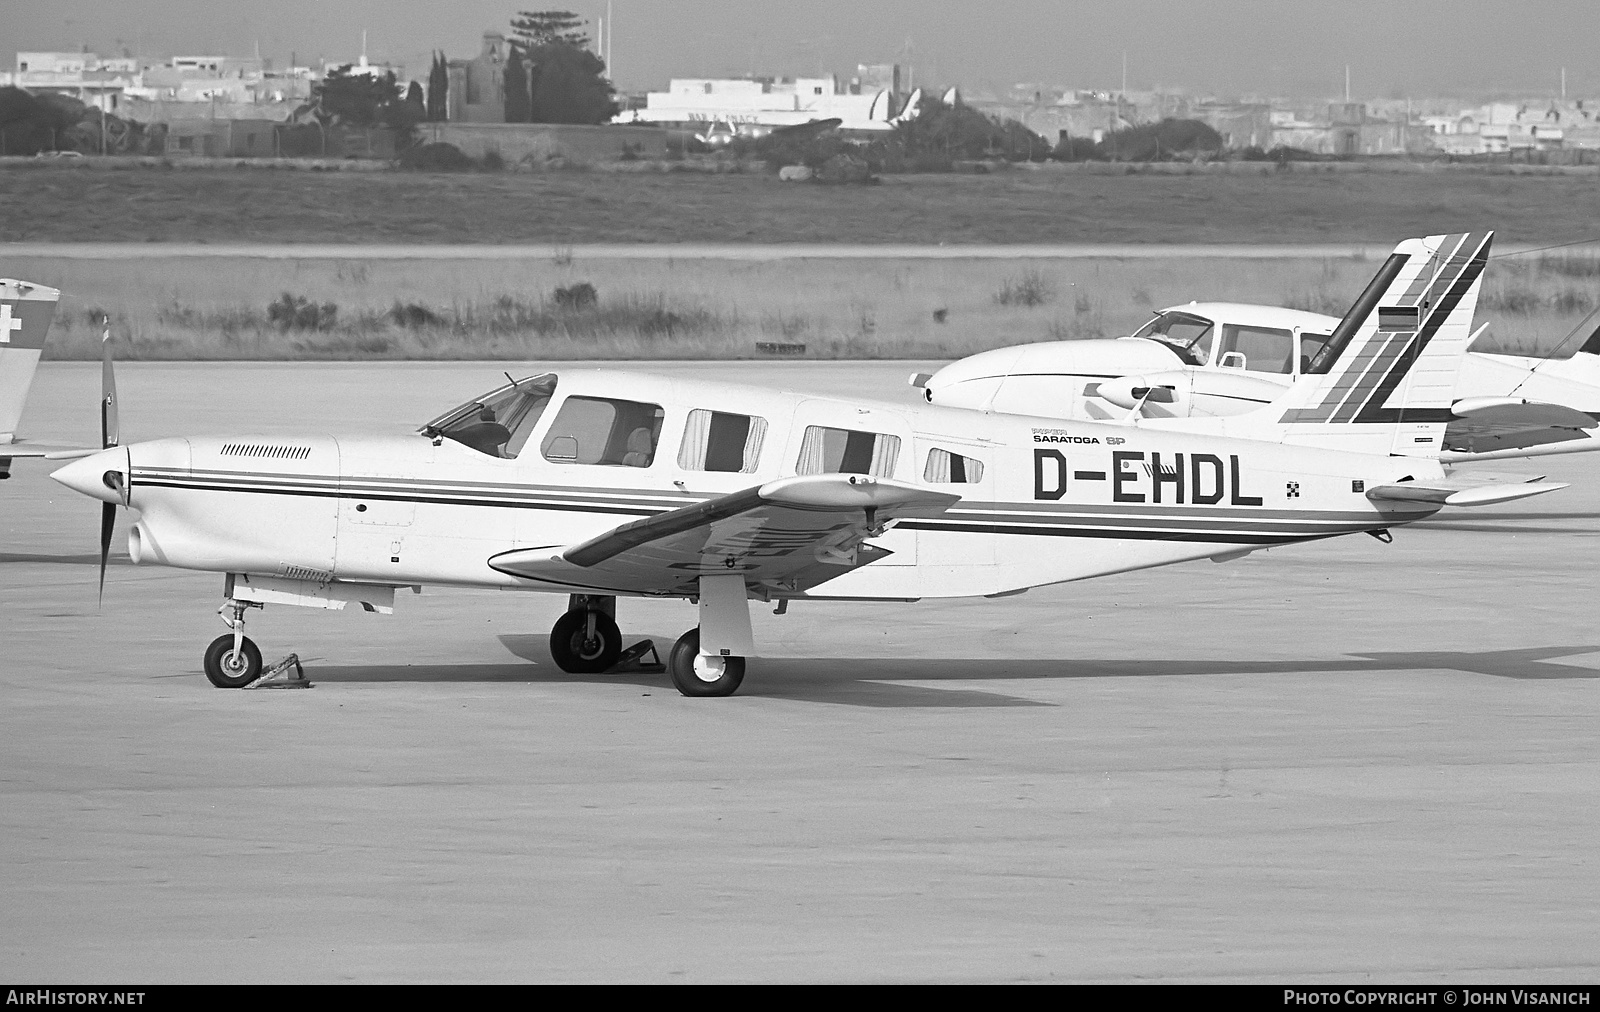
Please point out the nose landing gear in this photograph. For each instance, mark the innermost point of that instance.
(586, 639)
(232, 660)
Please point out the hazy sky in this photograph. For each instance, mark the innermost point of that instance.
(1291, 47)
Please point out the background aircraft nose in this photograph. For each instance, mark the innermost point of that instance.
(87, 475)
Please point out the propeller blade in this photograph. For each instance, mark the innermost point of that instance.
(110, 429)
(108, 521)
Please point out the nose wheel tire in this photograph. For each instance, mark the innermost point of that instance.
(695, 675)
(584, 649)
(228, 669)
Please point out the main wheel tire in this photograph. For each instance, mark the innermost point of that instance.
(228, 670)
(690, 682)
(575, 651)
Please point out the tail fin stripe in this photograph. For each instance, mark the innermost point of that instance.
(1360, 363)
(1465, 277)
(1426, 283)
(1394, 345)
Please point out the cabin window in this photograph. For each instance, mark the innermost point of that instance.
(498, 424)
(946, 468)
(599, 430)
(718, 441)
(1188, 335)
(847, 451)
(1258, 349)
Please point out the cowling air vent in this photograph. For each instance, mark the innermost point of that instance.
(268, 450)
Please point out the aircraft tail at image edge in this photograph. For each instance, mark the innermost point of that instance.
(26, 310)
(1386, 379)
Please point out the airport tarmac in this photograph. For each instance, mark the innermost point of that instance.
(1337, 762)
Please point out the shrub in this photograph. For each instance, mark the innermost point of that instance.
(577, 296)
(1031, 289)
(435, 158)
(296, 312)
(412, 314)
(492, 161)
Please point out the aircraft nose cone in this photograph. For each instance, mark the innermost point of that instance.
(88, 475)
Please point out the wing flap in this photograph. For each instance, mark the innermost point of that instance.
(789, 535)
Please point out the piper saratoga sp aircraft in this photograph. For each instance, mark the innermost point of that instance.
(607, 484)
(25, 314)
(1215, 359)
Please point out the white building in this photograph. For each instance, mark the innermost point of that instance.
(96, 81)
(870, 101)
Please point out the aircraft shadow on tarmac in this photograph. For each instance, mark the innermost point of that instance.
(884, 682)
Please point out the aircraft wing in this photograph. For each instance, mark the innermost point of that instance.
(788, 535)
(51, 451)
(1461, 489)
(1502, 425)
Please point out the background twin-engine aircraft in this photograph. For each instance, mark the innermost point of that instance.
(600, 484)
(1217, 359)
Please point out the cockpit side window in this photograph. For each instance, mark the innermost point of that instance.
(497, 424)
(1188, 335)
(602, 430)
(1257, 349)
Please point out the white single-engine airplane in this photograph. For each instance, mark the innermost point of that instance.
(604, 484)
(1216, 359)
(25, 313)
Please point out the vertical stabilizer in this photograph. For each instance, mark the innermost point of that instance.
(1385, 380)
(25, 314)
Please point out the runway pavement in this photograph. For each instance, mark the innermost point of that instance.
(1336, 762)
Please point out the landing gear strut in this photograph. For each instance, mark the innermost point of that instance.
(232, 660)
(586, 639)
(715, 667)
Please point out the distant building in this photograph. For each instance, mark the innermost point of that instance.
(1506, 127)
(96, 81)
(478, 86)
(868, 101)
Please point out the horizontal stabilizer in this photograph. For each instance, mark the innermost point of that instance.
(1514, 411)
(1503, 426)
(1480, 489)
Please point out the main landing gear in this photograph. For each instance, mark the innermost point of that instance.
(697, 674)
(708, 660)
(232, 660)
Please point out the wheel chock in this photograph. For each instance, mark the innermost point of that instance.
(286, 674)
(632, 659)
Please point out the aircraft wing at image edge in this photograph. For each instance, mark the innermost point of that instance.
(26, 311)
(793, 532)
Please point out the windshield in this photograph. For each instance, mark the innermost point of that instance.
(1186, 334)
(498, 423)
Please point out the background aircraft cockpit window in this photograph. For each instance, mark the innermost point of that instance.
(1188, 335)
(499, 423)
(599, 430)
(847, 451)
(718, 441)
(946, 468)
(1311, 346)
(1265, 349)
